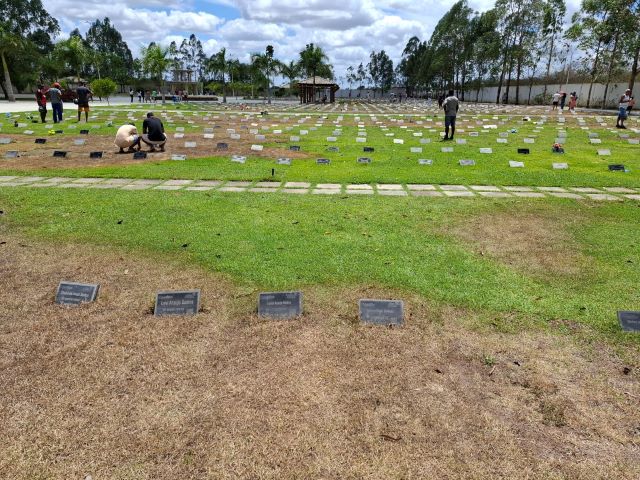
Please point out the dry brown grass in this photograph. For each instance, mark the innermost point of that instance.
(534, 242)
(108, 390)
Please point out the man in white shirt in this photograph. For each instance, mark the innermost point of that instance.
(556, 100)
(127, 137)
(450, 106)
(622, 108)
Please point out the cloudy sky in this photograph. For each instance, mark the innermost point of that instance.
(346, 29)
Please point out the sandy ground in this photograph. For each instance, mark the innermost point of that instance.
(109, 390)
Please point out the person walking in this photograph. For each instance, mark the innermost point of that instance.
(450, 105)
(555, 100)
(41, 100)
(55, 95)
(83, 93)
(140, 94)
(563, 99)
(622, 108)
(131, 93)
(573, 101)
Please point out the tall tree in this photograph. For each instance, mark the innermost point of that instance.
(313, 61)
(553, 12)
(380, 69)
(156, 61)
(21, 23)
(111, 51)
(73, 53)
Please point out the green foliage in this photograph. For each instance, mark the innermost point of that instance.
(104, 87)
(380, 69)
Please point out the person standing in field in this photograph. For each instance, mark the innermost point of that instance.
(55, 95)
(83, 93)
(563, 99)
(131, 94)
(625, 100)
(41, 100)
(450, 105)
(573, 101)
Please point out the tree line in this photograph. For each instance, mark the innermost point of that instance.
(30, 56)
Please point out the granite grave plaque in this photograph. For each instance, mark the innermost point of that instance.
(368, 149)
(283, 161)
(467, 163)
(381, 312)
(177, 303)
(5, 141)
(294, 148)
(222, 146)
(364, 160)
(139, 155)
(280, 304)
(560, 166)
(179, 157)
(59, 153)
(323, 161)
(40, 140)
(11, 154)
(515, 164)
(629, 320)
(238, 158)
(95, 154)
(616, 168)
(71, 293)
(523, 151)
(425, 161)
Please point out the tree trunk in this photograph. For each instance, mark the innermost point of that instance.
(518, 73)
(162, 90)
(7, 79)
(224, 89)
(610, 70)
(634, 68)
(546, 78)
(594, 71)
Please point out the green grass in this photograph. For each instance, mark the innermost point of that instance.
(289, 242)
(392, 163)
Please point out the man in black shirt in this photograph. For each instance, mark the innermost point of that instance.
(83, 100)
(153, 133)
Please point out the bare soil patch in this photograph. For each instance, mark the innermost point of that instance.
(107, 389)
(534, 242)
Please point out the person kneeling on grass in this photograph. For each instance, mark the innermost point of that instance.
(127, 137)
(153, 133)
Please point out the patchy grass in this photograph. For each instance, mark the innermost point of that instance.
(281, 242)
(110, 391)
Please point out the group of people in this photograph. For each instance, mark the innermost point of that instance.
(560, 99)
(149, 96)
(83, 94)
(152, 135)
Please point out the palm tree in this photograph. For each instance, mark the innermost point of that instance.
(218, 63)
(72, 52)
(269, 66)
(290, 71)
(312, 61)
(8, 41)
(156, 61)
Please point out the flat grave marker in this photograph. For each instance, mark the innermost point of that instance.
(11, 154)
(59, 153)
(71, 293)
(425, 161)
(5, 141)
(617, 168)
(283, 161)
(323, 161)
(95, 154)
(139, 155)
(629, 320)
(467, 163)
(523, 151)
(381, 312)
(515, 164)
(84, 132)
(560, 166)
(185, 302)
(294, 148)
(486, 150)
(238, 158)
(40, 140)
(190, 144)
(282, 305)
(178, 157)
(446, 149)
(222, 146)
(605, 152)
(368, 149)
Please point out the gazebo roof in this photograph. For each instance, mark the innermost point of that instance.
(319, 82)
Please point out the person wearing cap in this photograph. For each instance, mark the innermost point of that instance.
(127, 137)
(153, 133)
(55, 95)
(41, 100)
(622, 108)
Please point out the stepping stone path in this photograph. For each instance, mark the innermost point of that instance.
(299, 188)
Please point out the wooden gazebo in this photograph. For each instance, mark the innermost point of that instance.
(308, 94)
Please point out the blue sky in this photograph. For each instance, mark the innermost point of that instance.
(346, 29)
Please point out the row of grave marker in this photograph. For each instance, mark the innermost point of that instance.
(276, 305)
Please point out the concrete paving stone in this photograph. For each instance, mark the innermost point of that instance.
(7, 178)
(518, 189)
(632, 197)
(294, 190)
(552, 189)
(146, 182)
(297, 185)
(602, 196)
(168, 187)
(484, 188)
(88, 180)
(40, 184)
(619, 190)
(459, 193)
(263, 190)
(389, 186)
(326, 191)
(566, 195)
(453, 188)
(30, 179)
(207, 183)
(350, 191)
(359, 186)
(232, 189)
(118, 181)
(237, 184)
(393, 193)
(200, 188)
(426, 193)
(55, 180)
(12, 184)
(495, 194)
(420, 187)
(104, 186)
(178, 182)
(268, 184)
(330, 186)
(136, 187)
(529, 194)
(586, 190)
(72, 185)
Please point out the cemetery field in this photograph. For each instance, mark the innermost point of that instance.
(510, 362)
(405, 144)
